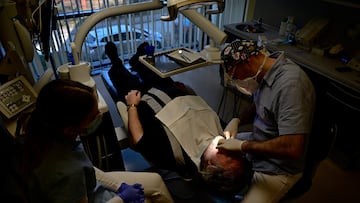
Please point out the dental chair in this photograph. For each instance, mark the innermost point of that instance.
(183, 191)
(109, 85)
(175, 183)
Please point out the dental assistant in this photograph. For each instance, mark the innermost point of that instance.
(55, 167)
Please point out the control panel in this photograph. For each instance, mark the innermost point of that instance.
(15, 96)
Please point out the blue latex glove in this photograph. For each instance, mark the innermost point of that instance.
(131, 193)
(138, 186)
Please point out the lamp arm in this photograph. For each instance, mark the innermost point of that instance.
(205, 25)
(93, 19)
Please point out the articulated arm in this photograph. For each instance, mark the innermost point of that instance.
(92, 20)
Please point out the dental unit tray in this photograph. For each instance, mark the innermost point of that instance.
(171, 62)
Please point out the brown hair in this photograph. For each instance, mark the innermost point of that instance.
(60, 104)
(230, 180)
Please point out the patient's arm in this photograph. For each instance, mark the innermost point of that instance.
(134, 125)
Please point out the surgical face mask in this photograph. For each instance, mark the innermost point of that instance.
(249, 85)
(94, 125)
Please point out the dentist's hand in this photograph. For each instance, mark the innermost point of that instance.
(231, 144)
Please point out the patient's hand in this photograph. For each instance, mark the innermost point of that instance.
(133, 97)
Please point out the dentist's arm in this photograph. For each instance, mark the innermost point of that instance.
(232, 128)
(285, 146)
(247, 117)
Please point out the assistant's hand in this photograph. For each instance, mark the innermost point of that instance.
(131, 193)
(133, 97)
(231, 144)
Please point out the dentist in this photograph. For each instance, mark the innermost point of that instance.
(281, 114)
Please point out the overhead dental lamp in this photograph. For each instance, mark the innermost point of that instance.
(177, 5)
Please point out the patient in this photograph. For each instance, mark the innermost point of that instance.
(178, 131)
(150, 137)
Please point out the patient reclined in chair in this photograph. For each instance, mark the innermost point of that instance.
(180, 133)
(167, 149)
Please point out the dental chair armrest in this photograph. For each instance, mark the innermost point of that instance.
(122, 109)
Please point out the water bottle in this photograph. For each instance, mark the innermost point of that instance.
(283, 27)
(290, 26)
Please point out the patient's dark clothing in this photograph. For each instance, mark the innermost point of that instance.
(122, 79)
(154, 144)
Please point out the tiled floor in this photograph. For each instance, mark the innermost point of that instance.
(331, 184)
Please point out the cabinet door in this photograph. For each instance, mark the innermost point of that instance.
(344, 110)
